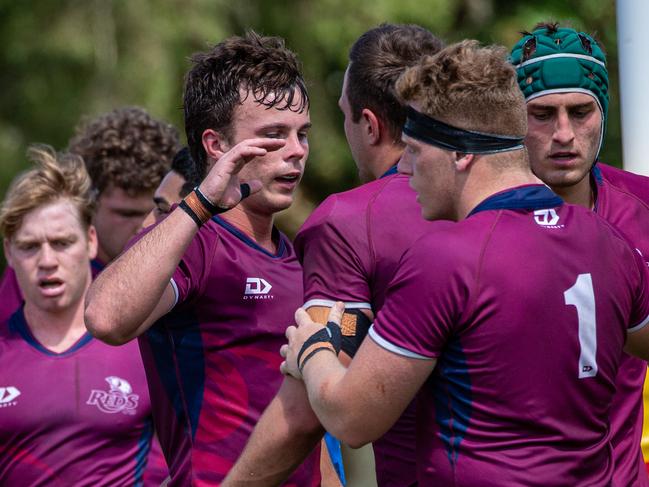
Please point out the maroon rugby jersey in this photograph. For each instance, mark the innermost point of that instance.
(622, 199)
(213, 362)
(349, 248)
(525, 305)
(81, 417)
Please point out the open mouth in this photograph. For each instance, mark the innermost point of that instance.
(50, 285)
(289, 178)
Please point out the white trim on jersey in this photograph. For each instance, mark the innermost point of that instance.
(327, 303)
(639, 326)
(174, 286)
(391, 347)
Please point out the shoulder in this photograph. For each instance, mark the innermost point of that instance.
(634, 185)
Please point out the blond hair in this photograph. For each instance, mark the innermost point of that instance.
(468, 86)
(55, 176)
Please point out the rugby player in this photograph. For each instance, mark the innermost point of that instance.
(177, 183)
(216, 270)
(74, 411)
(563, 75)
(478, 311)
(126, 152)
(350, 245)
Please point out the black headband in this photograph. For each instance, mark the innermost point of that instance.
(430, 131)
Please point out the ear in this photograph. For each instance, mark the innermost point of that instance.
(7, 250)
(92, 242)
(463, 161)
(372, 126)
(215, 145)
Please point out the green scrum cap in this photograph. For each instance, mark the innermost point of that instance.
(561, 60)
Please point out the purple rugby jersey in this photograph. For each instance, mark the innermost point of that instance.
(81, 417)
(622, 199)
(525, 305)
(213, 362)
(349, 248)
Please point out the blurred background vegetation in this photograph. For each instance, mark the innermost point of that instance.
(64, 60)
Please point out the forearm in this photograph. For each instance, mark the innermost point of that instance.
(125, 294)
(284, 436)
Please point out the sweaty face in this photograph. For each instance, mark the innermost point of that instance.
(119, 216)
(50, 253)
(279, 171)
(563, 138)
(431, 176)
(354, 135)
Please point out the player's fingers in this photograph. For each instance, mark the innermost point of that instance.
(336, 312)
(283, 368)
(302, 317)
(283, 350)
(289, 332)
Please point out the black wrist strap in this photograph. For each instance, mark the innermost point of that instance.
(186, 208)
(327, 338)
(215, 209)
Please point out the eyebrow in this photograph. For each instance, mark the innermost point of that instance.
(160, 200)
(540, 106)
(282, 126)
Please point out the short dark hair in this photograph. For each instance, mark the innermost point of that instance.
(126, 148)
(376, 60)
(184, 165)
(222, 77)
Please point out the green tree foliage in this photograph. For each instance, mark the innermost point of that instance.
(61, 61)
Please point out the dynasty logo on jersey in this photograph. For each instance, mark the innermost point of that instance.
(7, 396)
(547, 218)
(119, 398)
(257, 288)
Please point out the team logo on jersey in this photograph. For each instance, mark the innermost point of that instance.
(257, 288)
(8, 395)
(547, 218)
(119, 399)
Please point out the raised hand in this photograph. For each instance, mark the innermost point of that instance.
(222, 185)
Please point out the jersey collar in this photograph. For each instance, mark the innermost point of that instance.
(527, 197)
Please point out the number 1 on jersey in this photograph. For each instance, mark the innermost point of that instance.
(582, 297)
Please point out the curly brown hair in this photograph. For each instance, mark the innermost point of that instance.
(54, 177)
(126, 148)
(376, 60)
(468, 86)
(238, 67)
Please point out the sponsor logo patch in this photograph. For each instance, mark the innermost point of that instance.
(118, 399)
(257, 288)
(547, 218)
(8, 396)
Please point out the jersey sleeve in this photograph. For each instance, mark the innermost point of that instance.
(190, 276)
(333, 250)
(640, 312)
(425, 301)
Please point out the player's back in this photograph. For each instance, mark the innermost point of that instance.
(523, 390)
(525, 310)
(350, 247)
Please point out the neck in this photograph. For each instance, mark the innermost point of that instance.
(56, 331)
(102, 255)
(257, 226)
(483, 184)
(578, 194)
(386, 156)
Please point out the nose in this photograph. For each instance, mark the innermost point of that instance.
(563, 130)
(47, 257)
(404, 166)
(296, 147)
